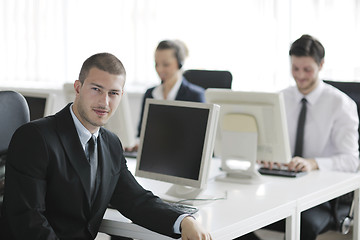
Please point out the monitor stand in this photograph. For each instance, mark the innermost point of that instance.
(238, 175)
(187, 195)
(183, 192)
(238, 161)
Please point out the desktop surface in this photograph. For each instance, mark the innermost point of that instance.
(232, 217)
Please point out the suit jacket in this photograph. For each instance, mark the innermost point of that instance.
(47, 189)
(187, 92)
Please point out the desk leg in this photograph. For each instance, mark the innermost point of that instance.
(356, 222)
(292, 227)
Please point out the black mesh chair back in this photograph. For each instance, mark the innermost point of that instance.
(209, 78)
(342, 207)
(352, 89)
(14, 112)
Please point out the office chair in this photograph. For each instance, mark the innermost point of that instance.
(352, 89)
(14, 112)
(209, 78)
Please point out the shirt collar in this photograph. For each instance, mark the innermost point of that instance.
(313, 96)
(158, 91)
(84, 134)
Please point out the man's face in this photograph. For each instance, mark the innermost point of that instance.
(97, 98)
(305, 72)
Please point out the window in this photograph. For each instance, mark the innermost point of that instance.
(47, 41)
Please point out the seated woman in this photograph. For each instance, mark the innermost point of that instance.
(169, 59)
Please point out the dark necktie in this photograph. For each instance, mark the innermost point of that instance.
(91, 151)
(300, 130)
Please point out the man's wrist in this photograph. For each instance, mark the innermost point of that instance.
(177, 224)
(313, 164)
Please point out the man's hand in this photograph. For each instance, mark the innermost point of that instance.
(132, 149)
(192, 230)
(269, 165)
(303, 164)
(298, 164)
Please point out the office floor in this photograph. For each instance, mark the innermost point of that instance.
(270, 235)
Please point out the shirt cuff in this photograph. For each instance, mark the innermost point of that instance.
(177, 223)
(325, 164)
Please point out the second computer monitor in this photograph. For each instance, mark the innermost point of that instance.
(40, 103)
(252, 126)
(176, 144)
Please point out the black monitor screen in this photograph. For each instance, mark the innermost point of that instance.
(36, 107)
(174, 140)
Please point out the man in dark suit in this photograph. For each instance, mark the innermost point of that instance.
(54, 191)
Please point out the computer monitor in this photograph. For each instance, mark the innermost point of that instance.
(176, 145)
(252, 126)
(120, 123)
(40, 103)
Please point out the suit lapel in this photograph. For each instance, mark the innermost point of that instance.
(72, 146)
(182, 90)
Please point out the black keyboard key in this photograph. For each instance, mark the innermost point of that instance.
(185, 208)
(130, 154)
(280, 172)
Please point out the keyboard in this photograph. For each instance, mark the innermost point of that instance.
(184, 208)
(280, 172)
(130, 154)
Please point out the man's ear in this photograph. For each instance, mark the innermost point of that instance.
(321, 64)
(77, 86)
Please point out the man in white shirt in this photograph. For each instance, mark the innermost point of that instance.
(330, 136)
(330, 132)
(329, 139)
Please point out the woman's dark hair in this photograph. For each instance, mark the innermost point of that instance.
(309, 46)
(180, 50)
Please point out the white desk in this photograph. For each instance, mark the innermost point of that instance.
(251, 206)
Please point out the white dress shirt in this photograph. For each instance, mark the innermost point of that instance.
(331, 127)
(157, 93)
(84, 134)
